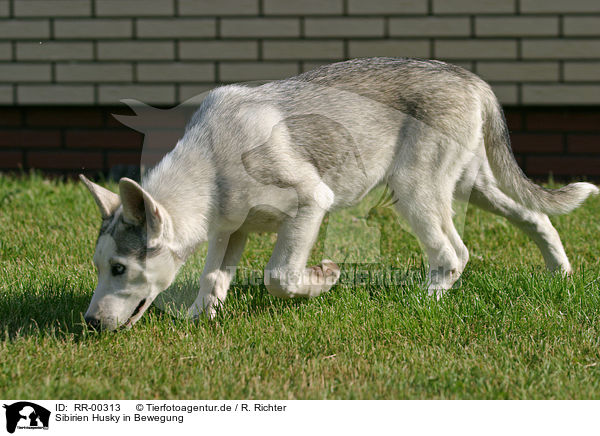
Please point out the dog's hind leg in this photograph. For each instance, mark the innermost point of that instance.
(534, 224)
(428, 210)
(224, 253)
(286, 274)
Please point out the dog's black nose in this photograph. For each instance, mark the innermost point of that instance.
(93, 323)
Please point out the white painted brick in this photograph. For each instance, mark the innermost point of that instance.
(218, 50)
(561, 94)
(55, 94)
(260, 27)
(245, 71)
(343, 27)
(25, 29)
(559, 6)
(151, 94)
(561, 49)
(134, 8)
(52, 50)
(5, 51)
(516, 26)
(94, 72)
(185, 92)
(135, 50)
(6, 94)
(430, 26)
(93, 29)
(4, 9)
(582, 26)
(176, 28)
(294, 50)
(473, 6)
(379, 7)
(176, 72)
(53, 8)
(519, 71)
(582, 71)
(506, 94)
(16, 72)
(476, 49)
(394, 48)
(303, 7)
(218, 7)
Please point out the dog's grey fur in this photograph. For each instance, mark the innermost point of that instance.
(279, 156)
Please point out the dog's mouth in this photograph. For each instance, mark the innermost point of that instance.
(136, 314)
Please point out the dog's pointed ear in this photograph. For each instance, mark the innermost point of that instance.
(139, 207)
(106, 200)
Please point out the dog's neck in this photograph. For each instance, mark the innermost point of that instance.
(184, 187)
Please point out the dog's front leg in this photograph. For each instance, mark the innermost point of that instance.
(224, 252)
(286, 274)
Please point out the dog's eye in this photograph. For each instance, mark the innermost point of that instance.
(117, 269)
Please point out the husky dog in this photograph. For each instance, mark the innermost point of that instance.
(278, 157)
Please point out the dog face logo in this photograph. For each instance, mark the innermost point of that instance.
(26, 415)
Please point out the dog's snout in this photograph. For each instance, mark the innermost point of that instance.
(93, 323)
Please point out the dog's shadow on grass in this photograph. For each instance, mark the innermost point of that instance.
(50, 313)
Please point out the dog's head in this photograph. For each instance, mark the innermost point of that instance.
(133, 257)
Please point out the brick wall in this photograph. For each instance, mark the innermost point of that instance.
(90, 54)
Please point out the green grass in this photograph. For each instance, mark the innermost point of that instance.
(510, 330)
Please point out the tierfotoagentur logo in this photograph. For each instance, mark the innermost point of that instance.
(26, 415)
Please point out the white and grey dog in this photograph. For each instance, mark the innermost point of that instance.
(278, 157)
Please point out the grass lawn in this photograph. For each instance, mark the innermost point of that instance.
(509, 330)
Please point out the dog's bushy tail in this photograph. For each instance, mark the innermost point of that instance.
(511, 179)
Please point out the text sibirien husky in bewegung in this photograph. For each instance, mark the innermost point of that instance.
(278, 157)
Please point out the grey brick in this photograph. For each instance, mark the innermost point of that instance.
(519, 71)
(134, 8)
(260, 27)
(4, 9)
(51, 50)
(582, 71)
(476, 49)
(151, 94)
(94, 72)
(185, 92)
(303, 7)
(176, 72)
(54, 8)
(25, 29)
(377, 7)
(343, 27)
(135, 50)
(218, 7)
(218, 50)
(559, 6)
(294, 50)
(93, 29)
(5, 51)
(582, 26)
(245, 71)
(558, 48)
(176, 28)
(516, 26)
(506, 94)
(15, 72)
(430, 26)
(311, 65)
(561, 94)
(395, 48)
(55, 94)
(473, 6)
(6, 94)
